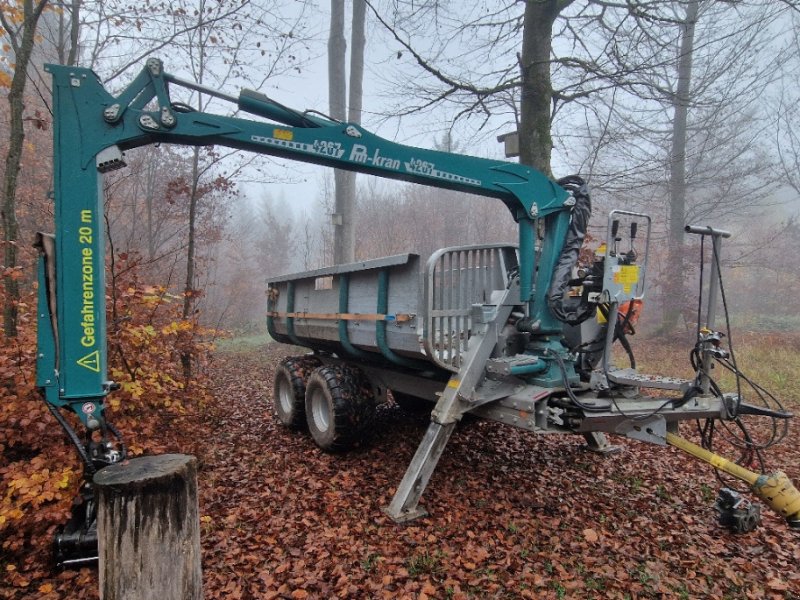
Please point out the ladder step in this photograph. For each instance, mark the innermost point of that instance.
(633, 378)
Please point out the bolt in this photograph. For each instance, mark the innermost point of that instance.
(110, 113)
(154, 65)
(148, 122)
(167, 118)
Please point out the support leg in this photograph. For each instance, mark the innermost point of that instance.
(451, 406)
(596, 441)
(404, 506)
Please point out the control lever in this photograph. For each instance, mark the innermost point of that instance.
(631, 256)
(614, 232)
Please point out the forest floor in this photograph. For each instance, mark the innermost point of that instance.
(512, 514)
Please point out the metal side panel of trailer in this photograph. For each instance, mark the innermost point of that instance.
(388, 309)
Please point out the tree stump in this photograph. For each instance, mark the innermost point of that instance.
(148, 529)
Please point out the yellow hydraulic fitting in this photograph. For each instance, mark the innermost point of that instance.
(780, 494)
(776, 490)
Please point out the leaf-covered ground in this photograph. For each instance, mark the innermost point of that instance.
(513, 515)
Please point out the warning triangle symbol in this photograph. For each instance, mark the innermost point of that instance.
(91, 361)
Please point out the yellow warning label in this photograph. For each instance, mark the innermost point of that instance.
(626, 274)
(91, 361)
(283, 134)
(453, 383)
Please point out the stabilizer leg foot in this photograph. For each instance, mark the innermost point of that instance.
(596, 441)
(404, 506)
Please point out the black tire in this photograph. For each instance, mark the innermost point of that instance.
(411, 404)
(289, 390)
(340, 407)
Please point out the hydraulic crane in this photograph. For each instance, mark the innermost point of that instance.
(525, 346)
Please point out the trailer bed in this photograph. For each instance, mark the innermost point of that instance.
(390, 310)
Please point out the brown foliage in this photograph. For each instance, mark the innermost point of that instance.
(512, 515)
(39, 470)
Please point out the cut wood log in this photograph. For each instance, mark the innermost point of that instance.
(148, 529)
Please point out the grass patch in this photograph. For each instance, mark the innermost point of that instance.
(424, 563)
(770, 359)
(243, 343)
(370, 562)
(766, 323)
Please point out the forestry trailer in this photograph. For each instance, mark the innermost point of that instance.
(520, 334)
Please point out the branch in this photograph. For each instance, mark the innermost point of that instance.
(453, 83)
(169, 40)
(792, 4)
(12, 33)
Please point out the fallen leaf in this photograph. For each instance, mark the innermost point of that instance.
(590, 535)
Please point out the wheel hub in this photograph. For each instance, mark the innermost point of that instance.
(320, 410)
(285, 396)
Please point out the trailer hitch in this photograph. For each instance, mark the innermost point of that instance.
(732, 406)
(735, 408)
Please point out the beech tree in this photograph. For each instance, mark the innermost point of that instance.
(345, 181)
(219, 43)
(466, 68)
(19, 21)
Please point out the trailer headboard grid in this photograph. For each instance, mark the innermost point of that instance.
(455, 279)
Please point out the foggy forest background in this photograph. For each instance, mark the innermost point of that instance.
(616, 83)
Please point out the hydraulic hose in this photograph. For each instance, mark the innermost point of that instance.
(89, 468)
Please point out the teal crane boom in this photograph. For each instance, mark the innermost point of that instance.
(93, 128)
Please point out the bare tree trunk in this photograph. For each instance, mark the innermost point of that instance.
(358, 41)
(535, 143)
(149, 197)
(188, 288)
(346, 198)
(343, 232)
(67, 45)
(677, 179)
(337, 49)
(21, 40)
(74, 32)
